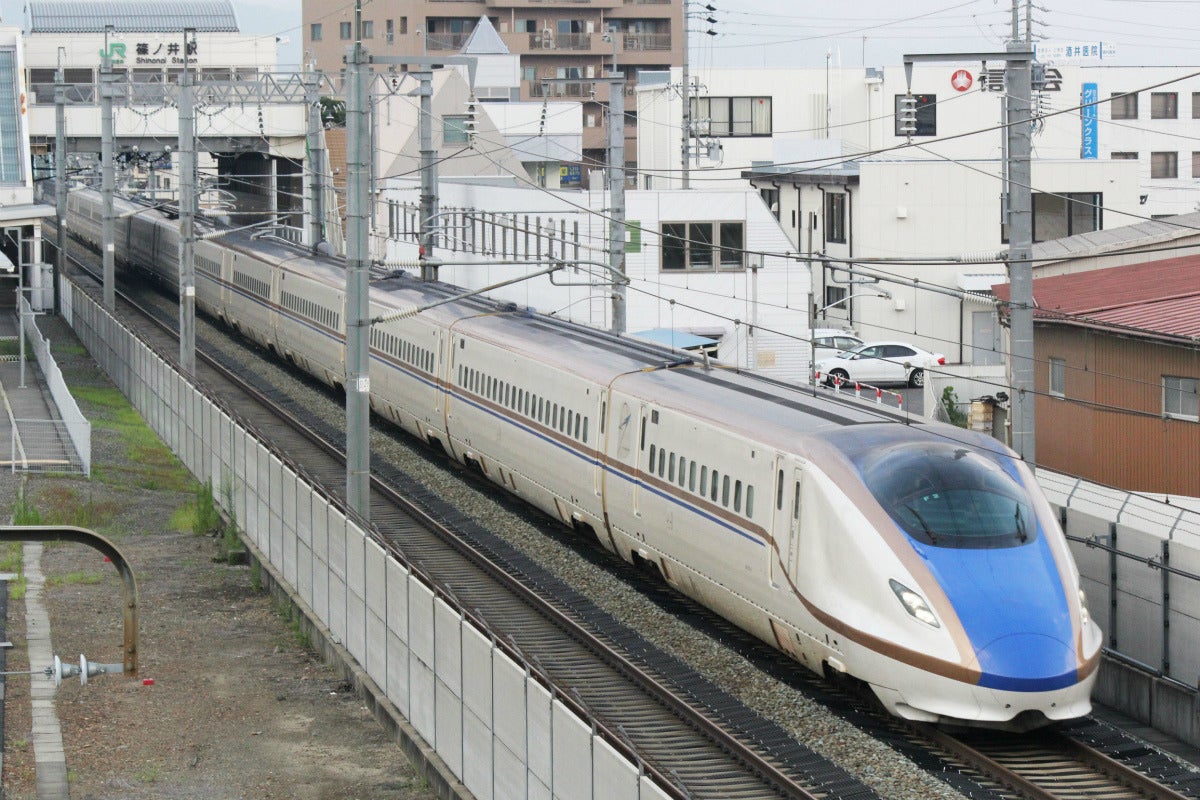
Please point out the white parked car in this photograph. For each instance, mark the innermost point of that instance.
(877, 363)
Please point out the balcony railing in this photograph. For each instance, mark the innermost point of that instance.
(647, 41)
(573, 89)
(446, 41)
(560, 41)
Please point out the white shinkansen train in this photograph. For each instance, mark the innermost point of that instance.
(916, 557)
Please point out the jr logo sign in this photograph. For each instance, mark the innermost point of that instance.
(116, 52)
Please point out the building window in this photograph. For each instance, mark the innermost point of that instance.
(926, 115)
(835, 217)
(344, 30)
(703, 246)
(1059, 215)
(1124, 106)
(834, 295)
(1124, 156)
(1164, 105)
(732, 116)
(314, 32)
(404, 26)
(1195, 164)
(1180, 397)
(11, 170)
(454, 129)
(368, 29)
(771, 198)
(1195, 105)
(1058, 377)
(1164, 165)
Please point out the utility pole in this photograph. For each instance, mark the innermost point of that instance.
(685, 148)
(1020, 240)
(616, 195)
(187, 213)
(358, 378)
(316, 159)
(60, 175)
(1019, 202)
(429, 180)
(108, 229)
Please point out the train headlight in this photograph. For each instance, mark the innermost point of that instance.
(1084, 616)
(914, 604)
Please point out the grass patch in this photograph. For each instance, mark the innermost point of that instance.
(11, 561)
(77, 578)
(156, 468)
(67, 504)
(293, 618)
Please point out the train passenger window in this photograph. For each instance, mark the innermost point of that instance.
(682, 472)
(662, 463)
(796, 502)
(603, 414)
(643, 433)
(703, 479)
(737, 496)
(692, 476)
(507, 394)
(570, 415)
(585, 426)
(578, 424)
(671, 468)
(653, 450)
(713, 488)
(725, 491)
(779, 491)
(554, 423)
(749, 501)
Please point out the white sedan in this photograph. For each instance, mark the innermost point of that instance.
(877, 363)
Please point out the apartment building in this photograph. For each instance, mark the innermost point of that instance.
(570, 44)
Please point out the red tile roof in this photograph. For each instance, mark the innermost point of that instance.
(1156, 298)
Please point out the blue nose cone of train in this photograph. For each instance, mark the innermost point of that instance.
(1025, 662)
(1013, 607)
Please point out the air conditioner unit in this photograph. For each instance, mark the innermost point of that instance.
(547, 39)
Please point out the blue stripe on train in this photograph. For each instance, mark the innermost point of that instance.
(1013, 607)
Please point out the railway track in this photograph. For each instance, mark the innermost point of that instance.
(681, 728)
(1059, 764)
(791, 770)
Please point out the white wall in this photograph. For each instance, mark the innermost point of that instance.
(705, 302)
(861, 115)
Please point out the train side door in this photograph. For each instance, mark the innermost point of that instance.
(789, 479)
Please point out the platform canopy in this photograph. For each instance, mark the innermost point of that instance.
(131, 16)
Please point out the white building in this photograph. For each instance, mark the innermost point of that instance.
(755, 306)
(20, 216)
(747, 117)
(946, 219)
(258, 147)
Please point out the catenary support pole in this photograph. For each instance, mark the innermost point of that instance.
(616, 193)
(316, 159)
(187, 213)
(358, 381)
(1020, 252)
(107, 178)
(60, 177)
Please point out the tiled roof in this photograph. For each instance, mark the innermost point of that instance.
(130, 16)
(1157, 298)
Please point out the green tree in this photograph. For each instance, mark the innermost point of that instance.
(333, 111)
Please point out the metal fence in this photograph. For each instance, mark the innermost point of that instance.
(498, 724)
(68, 438)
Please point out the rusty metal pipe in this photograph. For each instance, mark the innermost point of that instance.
(70, 533)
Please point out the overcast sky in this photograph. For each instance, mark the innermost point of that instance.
(874, 32)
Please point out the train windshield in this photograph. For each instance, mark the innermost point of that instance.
(949, 496)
